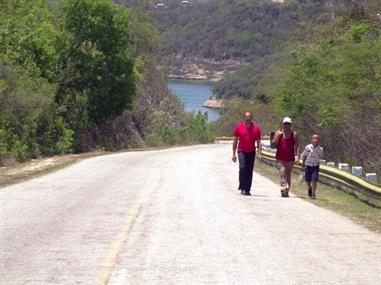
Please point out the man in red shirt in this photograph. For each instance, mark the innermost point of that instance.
(245, 136)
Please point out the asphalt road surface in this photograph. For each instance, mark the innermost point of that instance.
(174, 217)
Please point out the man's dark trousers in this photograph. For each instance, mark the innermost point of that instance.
(246, 167)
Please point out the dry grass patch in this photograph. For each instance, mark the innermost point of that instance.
(19, 172)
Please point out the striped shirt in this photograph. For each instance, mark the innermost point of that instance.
(313, 154)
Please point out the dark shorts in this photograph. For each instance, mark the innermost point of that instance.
(312, 173)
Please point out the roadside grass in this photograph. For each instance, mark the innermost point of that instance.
(330, 198)
(19, 172)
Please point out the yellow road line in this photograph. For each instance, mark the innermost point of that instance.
(117, 246)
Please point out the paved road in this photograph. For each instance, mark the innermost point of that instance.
(174, 217)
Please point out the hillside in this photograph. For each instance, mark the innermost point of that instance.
(81, 75)
(219, 37)
(316, 61)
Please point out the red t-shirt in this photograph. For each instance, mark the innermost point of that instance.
(247, 136)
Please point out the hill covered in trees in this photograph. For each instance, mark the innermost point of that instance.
(239, 33)
(317, 61)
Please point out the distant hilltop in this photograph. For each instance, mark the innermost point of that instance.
(162, 4)
(203, 69)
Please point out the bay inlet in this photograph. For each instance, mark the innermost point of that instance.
(193, 94)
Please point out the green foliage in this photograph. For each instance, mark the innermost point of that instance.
(28, 37)
(194, 129)
(29, 59)
(245, 30)
(247, 82)
(26, 102)
(69, 74)
(19, 150)
(161, 132)
(233, 113)
(97, 63)
(64, 137)
(253, 32)
(3, 146)
(54, 136)
(332, 85)
(224, 29)
(335, 77)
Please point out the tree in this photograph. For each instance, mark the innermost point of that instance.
(97, 82)
(29, 60)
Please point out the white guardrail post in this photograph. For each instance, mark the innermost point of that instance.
(357, 170)
(371, 177)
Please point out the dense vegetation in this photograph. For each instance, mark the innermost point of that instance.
(331, 84)
(78, 75)
(247, 31)
(220, 30)
(316, 61)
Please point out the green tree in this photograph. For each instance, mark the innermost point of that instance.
(28, 37)
(97, 82)
(29, 60)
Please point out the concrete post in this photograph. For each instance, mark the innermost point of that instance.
(344, 166)
(357, 170)
(371, 177)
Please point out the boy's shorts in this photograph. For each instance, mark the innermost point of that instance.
(311, 173)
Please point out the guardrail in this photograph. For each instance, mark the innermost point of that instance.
(223, 138)
(340, 179)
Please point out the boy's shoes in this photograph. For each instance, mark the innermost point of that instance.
(245, 193)
(284, 193)
(313, 196)
(310, 192)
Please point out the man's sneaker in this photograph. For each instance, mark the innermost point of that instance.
(245, 193)
(284, 193)
(310, 192)
(313, 196)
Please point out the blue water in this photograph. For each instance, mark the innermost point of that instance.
(193, 94)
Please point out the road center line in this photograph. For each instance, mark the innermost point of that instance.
(117, 245)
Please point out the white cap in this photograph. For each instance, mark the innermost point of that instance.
(287, 120)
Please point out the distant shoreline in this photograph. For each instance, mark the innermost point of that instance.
(193, 78)
(213, 103)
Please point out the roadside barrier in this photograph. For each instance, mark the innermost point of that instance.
(332, 176)
(223, 138)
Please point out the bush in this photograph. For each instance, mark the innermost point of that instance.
(19, 150)
(194, 129)
(3, 146)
